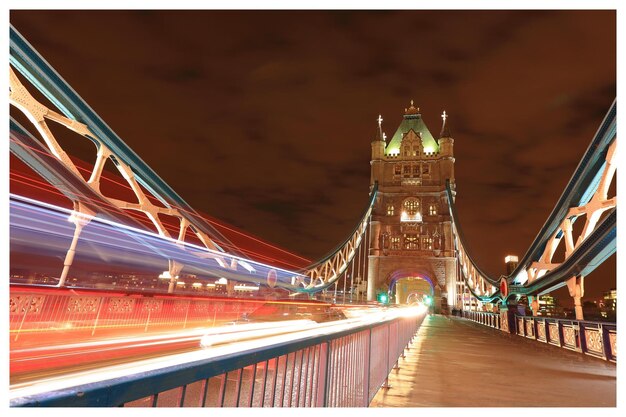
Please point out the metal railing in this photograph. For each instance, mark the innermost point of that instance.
(589, 337)
(483, 317)
(343, 369)
(85, 313)
(592, 338)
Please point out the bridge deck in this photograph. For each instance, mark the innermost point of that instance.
(458, 363)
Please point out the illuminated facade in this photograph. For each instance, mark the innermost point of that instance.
(511, 262)
(411, 233)
(547, 306)
(608, 308)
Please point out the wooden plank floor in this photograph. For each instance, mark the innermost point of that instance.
(459, 363)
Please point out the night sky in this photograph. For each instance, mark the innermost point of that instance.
(264, 119)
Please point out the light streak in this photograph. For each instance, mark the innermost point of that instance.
(44, 186)
(185, 256)
(244, 345)
(78, 162)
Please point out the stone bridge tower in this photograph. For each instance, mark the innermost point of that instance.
(411, 249)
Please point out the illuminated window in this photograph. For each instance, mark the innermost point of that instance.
(432, 210)
(416, 170)
(406, 170)
(397, 169)
(390, 210)
(426, 169)
(411, 242)
(411, 206)
(427, 243)
(395, 242)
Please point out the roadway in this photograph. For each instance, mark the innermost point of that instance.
(459, 363)
(70, 365)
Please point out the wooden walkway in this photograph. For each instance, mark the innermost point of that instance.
(459, 363)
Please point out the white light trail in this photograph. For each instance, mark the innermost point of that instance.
(259, 340)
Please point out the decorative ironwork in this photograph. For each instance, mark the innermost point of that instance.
(541, 331)
(613, 343)
(530, 328)
(553, 331)
(201, 308)
(593, 338)
(569, 337)
(180, 306)
(20, 304)
(83, 305)
(121, 305)
(153, 306)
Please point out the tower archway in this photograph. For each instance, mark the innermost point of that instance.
(407, 286)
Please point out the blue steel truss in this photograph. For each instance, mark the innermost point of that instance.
(596, 248)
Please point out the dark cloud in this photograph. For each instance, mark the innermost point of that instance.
(265, 118)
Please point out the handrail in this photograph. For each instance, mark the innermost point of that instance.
(594, 338)
(364, 370)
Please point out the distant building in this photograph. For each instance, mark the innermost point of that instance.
(608, 304)
(547, 306)
(511, 262)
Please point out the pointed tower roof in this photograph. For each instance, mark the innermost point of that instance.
(412, 120)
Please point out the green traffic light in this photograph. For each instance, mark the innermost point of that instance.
(428, 300)
(382, 298)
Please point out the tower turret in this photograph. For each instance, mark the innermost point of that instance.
(378, 152)
(446, 149)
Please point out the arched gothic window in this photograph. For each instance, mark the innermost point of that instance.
(412, 206)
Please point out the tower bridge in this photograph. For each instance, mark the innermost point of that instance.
(411, 239)
(223, 340)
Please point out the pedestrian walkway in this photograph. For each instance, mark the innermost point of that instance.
(458, 363)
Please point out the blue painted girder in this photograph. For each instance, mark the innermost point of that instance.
(40, 73)
(579, 190)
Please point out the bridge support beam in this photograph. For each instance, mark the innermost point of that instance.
(80, 217)
(373, 261)
(576, 287)
(533, 303)
(372, 275)
(173, 270)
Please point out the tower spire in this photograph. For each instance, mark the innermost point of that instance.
(445, 130)
(379, 131)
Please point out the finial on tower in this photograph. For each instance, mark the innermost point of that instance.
(379, 130)
(412, 109)
(445, 130)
